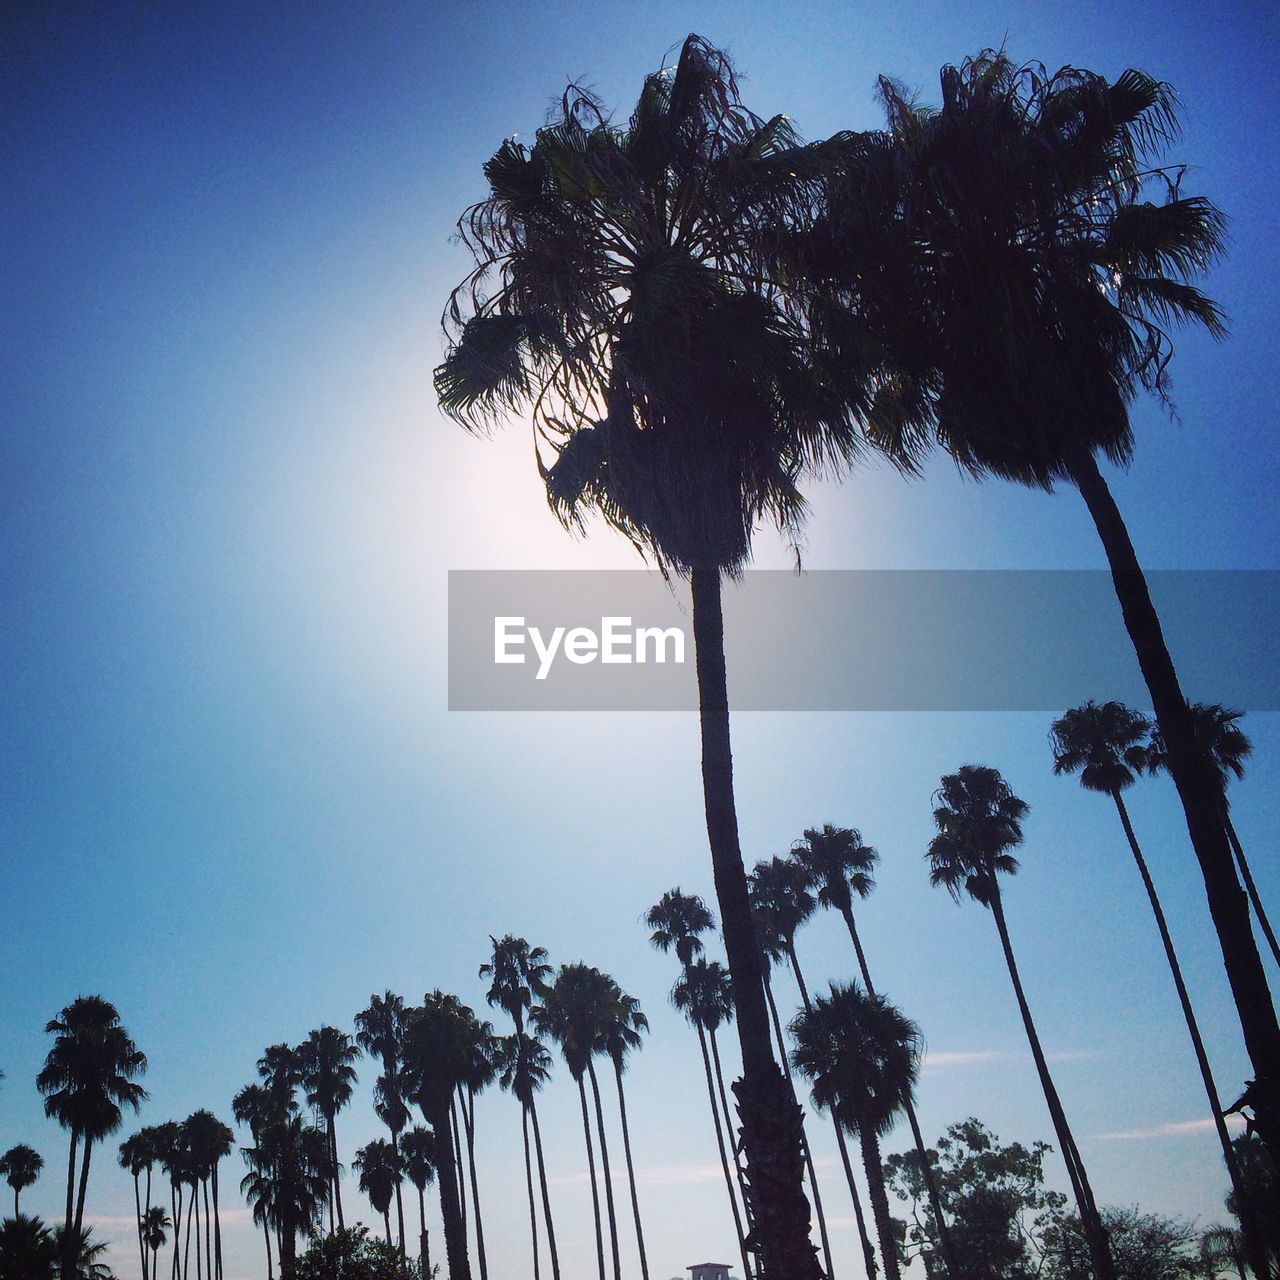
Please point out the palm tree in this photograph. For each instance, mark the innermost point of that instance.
(418, 1151)
(137, 1155)
(20, 1166)
(677, 921)
(28, 1249)
(841, 865)
(434, 1060)
(518, 975)
(782, 902)
(170, 1145)
(328, 1076)
(84, 1252)
(622, 1033)
(87, 1077)
(862, 1057)
(255, 1107)
(288, 1182)
(979, 820)
(1043, 282)
(209, 1142)
(625, 292)
(704, 994)
(1218, 734)
(380, 1033)
(280, 1070)
(154, 1225)
(480, 1074)
(380, 1169)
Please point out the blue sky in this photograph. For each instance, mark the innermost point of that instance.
(234, 801)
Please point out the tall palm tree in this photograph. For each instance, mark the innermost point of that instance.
(862, 1057)
(979, 822)
(137, 1156)
(704, 994)
(380, 1033)
(210, 1142)
(288, 1182)
(625, 293)
(418, 1151)
(677, 921)
(782, 902)
(518, 975)
(170, 1143)
(20, 1167)
(435, 1056)
(623, 1029)
(154, 1225)
(482, 1045)
(380, 1168)
(280, 1070)
(326, 1058)
(571, 1015)
(255, 1107)
(840, 866)
(1045, 281)
(1219, 735)
(88, 1076)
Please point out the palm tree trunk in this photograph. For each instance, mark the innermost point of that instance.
(808, 1154)
(175, 1200)
(386, 1224)
(631, 1172)
(337, 1179)
(424, 1253)
(71, 1180)
(1199, 789)
(926, 1169)
(879, 1201)
(395, 1147)
(469, 1118)
(84, 1180)
(1090, 1222)
(208, 1234)
(772, 1127)
(608, 1177)
(728, 1124)
(724, 1157)
(868, 1250)
(1253, 1238)
(266, 1235)
(137, 1209)
(457, 1160)
(455, 1240)
(546, 1197)
(591, 1166)
(1252, 889)
(528, 1177)
(186, 1248)
(195, 1199)
(217, 1225)
(288, 1251)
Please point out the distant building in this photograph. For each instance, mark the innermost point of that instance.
(710, 1271)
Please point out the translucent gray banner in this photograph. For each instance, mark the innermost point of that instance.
(856, 640)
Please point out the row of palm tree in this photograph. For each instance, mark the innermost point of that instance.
(699, 311)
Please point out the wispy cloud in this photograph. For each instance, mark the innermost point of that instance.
(1169, 1129)
(669, 1174)
(950, 1058)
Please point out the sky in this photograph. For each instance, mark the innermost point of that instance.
(232, 798)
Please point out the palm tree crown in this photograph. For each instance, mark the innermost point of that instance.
(1104, 743)
(838, 863)
(979, 820)
(677, 920)
(1217, 732)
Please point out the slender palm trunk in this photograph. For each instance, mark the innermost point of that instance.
(217, 1226)
(926, 1169)
(608, 1177)
(395, 1148)
(724, 1156)
(1200, 791)
(288, 1249)
(266, 1235)
(68, 1252)
(386, 1224)
(533, 1206)
(186, 1248)
(1243, 1204)
(591, 1167)
(631, 1172)
(842, 1144)
(1252, 889)
(195, 1200)
(874, 1170)
(457, 1160)
(1091, 1223)
(808, 1154)
(175, 1199)
(546, 1197)
(337, 1178)
(137, 1209)
(424, 1252)
(469, 1118)
(772, 1127)
(728, 1124)
(208, 1234)
(455, 1240)
(84, 1180)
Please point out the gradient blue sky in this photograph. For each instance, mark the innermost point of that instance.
(233, 800)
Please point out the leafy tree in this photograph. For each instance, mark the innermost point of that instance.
(20, 1166)
(352, 1254)
(1258, 1194)
(325, 1065)
(627, 293)
(1145, 1246)
(994, 1195)
(380, 1033)
(288, 1182)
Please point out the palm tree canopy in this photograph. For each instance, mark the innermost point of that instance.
(518, 974)
(1103, 743)
(575, 1013)
(289, 1174)
(979, 820)
(1044, 280)
(779, 889)
(380, 1027)
(257, 1107)
(418, 1150)
(437, 1049)
(209, 1141)
(861, 1055)
(28, 1249)
(380, 1169)
(1217, 732)
(280, 1070)
(676, 920)
(624, 1028)
(624, 295)
(20, 1166)
(839, 864)
(325, 1063)
(155, 1222)
(704, 994)
(523, 1065)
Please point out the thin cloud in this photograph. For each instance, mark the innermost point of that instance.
(1170, 1129)
(947, 1059)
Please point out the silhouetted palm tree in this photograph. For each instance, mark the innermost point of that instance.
(83, 1252)
(154, 1225)
(20, 1167)
(862, 1057)
(418, 1150)
(255, 1107)
(170, 1145)
(87, 1077)
(979, 821)
(704, 994)
(325, 1059)
(380, 1033)
(380, 1169)
(625, 293)
(622, 1034)
(1218, 734)
(1045, 281)
(28, 1249)
(209, 1142)
(677, 921)
(480, 1074)
(288, 1182)
(841, 865)
(137, 1155)
(435, 1058)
